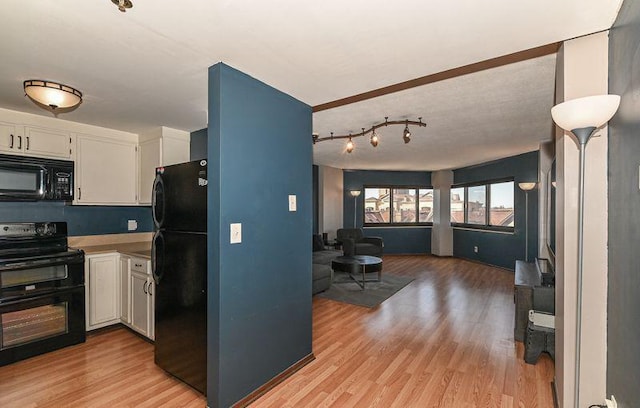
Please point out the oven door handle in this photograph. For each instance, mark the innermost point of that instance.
(66, 260)
(20, 300)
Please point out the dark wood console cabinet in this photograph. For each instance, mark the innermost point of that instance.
(533, 291)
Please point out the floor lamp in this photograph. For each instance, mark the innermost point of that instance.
(355, 194)
(526, 187)
(582, 117)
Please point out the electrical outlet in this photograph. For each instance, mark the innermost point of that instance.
(612, 403)
(475, 249)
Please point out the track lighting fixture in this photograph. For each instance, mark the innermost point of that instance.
(374, 140)
(406, 135)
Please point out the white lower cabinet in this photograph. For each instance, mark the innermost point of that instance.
(119, 289)
(102, 290)
(141, 301)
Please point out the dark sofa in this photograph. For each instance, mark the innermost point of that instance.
(321, 265)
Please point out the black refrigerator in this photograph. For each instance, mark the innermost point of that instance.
(179, 263)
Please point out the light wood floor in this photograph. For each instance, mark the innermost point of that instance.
(445, 340)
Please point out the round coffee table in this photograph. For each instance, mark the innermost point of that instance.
(358, 265)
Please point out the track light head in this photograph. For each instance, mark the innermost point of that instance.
(350, 145)
(406, 135)
(374, 139)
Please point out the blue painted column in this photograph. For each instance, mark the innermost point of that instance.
(259, 311)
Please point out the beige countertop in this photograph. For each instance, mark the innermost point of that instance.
(128, 244)
(139, 249)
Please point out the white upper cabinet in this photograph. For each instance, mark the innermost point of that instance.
(34, 141)
(47, 142)
(106, 171)
(162, 147)
(9, 137)
(112, 167)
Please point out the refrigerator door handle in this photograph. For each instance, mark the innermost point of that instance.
(157, 257)
(158, 206)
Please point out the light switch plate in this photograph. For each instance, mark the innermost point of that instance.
(292, 202)
(132, 225)
(236, 233)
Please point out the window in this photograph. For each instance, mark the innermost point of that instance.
(476, 205)
(376, 205)
(398, 205)
(501, 210)
(469, 204)
(457, 205)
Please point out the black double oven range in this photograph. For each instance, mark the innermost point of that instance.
(42, 303)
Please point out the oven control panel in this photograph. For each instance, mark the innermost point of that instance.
(28, 229)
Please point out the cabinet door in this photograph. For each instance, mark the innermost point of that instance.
(103, 290)
(125, 293)
(149, 160)
(139, 303)
(9, 138)
(105, 171)
(47, 142)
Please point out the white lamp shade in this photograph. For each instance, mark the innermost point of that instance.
(591, 111)
(354, 193)
(527, 186)
(52, 94)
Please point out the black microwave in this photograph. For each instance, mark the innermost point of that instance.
(34, 178)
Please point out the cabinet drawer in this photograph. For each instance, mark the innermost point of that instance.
(139, 265)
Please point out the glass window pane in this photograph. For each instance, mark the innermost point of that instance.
(476, 205)
(457, 205)
(501, 212)
(425, 205)
(404, 205)
(376, 205)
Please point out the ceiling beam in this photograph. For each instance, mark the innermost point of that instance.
(441, 76)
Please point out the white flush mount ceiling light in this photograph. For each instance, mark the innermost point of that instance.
(123, 5)
(52, 94)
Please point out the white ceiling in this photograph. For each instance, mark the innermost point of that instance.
(148, 67)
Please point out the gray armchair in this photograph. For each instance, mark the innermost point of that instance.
(355, 243)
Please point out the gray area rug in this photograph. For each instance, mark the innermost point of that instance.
(345, 290)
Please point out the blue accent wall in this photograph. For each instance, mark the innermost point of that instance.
(81, 220)
(498, 248)
(623, 302)
(259, 312)
(397, 240)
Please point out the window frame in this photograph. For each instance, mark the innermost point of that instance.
(487, 184)
(390, 223)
